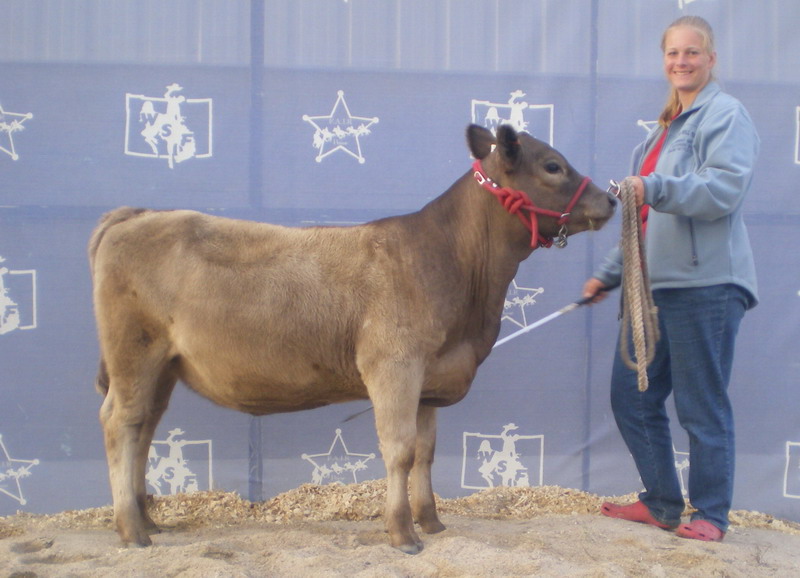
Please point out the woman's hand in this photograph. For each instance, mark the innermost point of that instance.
(595, 289)
(638, 189)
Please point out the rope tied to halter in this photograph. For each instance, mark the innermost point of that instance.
(639, 313)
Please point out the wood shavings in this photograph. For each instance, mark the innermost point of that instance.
(363, 501)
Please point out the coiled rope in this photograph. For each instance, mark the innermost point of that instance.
(639, 313)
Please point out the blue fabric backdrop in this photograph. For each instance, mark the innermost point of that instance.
(265, 92)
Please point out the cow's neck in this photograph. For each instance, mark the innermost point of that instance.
(486, 244)
(490, 236)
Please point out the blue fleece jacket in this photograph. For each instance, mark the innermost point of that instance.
(696, 236)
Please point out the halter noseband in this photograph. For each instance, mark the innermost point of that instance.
(518, 203)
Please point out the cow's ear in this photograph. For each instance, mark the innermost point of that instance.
(508, 144)
(480, 141)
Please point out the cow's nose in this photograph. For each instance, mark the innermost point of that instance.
(612, 199)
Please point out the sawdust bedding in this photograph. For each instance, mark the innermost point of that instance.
(337, 530)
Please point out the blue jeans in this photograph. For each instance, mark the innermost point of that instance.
(693, 361)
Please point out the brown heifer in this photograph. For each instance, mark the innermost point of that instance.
(265, 319)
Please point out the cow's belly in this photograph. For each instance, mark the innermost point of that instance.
(266, 388)
(261, 379)
(269, 396)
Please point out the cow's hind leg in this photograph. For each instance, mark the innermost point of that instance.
(129, 415)
(162, 394)
(395, 420)
(423, 503)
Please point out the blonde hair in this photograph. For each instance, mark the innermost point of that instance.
(703, 28)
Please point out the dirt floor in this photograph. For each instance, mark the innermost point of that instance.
(335, 530)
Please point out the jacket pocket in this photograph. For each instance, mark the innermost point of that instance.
(693, 242)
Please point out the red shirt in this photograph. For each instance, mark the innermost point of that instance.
(648, 166)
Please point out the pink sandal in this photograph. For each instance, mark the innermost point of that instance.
(636, 512)
(700, 530)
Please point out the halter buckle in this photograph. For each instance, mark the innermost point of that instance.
(613, 188)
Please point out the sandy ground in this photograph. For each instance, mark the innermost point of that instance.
(329, 531)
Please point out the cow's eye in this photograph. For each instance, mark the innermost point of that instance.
(552, 167)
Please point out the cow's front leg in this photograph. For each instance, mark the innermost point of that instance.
(423, 503)
(396, 423)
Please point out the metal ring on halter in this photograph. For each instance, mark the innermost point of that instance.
(613, 188)
(561, 240)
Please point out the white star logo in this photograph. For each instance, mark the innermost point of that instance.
(11, 122)
(9, 472)
(339, 130)
(337, 464)
(648, 125)
(517, 299)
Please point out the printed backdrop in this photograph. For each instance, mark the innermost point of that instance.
(335, 112)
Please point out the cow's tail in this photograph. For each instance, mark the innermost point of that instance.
(106, 222)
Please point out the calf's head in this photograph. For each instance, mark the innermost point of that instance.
(565, 201)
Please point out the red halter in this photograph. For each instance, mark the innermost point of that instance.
(515, 202)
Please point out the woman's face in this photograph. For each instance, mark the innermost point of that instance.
(687, 63)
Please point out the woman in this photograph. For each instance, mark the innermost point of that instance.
(692, 173)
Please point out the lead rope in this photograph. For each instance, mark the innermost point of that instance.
(639, 313)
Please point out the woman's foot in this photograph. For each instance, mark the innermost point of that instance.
(700, 530)
(636, 512)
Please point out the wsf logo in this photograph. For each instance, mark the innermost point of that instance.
(171, 127)
(507, 459)
(791, 476)
(17, 299)
(171, 465)
(682, 465)
(535, 119)
(797, 136)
